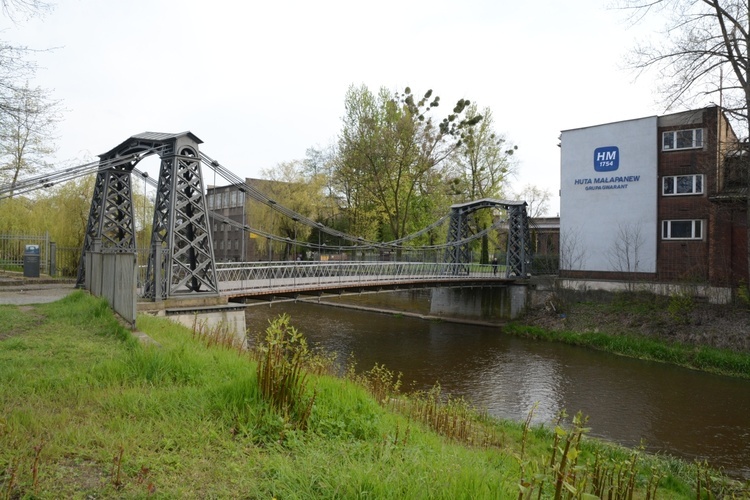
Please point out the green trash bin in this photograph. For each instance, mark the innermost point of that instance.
(31, 258)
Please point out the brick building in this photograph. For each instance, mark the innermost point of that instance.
(229, 209)
(227, 202)
(655, 199)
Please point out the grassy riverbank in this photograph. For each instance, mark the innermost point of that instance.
(88, 412)
(678, 330)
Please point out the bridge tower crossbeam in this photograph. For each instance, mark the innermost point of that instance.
(518, 257)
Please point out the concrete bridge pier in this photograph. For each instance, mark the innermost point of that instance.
(202, 315)
(480, 303)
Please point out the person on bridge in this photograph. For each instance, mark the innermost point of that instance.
(494, 266)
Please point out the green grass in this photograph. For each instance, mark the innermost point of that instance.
(709, 359)
(90, 413)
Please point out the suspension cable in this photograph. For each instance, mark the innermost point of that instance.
(257, 195)
(49, 179)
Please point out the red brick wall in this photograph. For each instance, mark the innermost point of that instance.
(712, 259)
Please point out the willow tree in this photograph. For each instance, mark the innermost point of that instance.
(288, 186)
(702, 55)
(390, 155)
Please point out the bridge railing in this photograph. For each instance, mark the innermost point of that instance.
(235, 277)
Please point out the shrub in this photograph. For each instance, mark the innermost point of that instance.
(681, 306)
(282, 354)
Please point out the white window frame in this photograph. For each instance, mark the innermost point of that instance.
(669, 139)
(698, 183)
(697, 229)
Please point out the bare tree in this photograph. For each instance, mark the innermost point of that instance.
(16, 65)
(27, 133)
(27, 114)
(16, 9)
(536, 198)
(703, 55)
(625, 251)
(572, 252)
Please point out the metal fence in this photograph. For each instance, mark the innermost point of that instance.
(67, 259)
(13, 246)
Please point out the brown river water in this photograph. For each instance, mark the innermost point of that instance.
(685, 413)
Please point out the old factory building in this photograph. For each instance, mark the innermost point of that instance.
(660, 199)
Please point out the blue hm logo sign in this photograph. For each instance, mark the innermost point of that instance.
(606, 159)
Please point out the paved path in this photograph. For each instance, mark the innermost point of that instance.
(31, 293)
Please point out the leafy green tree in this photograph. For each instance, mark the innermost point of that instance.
(484, 162)
(390, 154)
(319, 164)
(65, 210)
(15, 215)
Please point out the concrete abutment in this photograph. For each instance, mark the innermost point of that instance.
(480, 303)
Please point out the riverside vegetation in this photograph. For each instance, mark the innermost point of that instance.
(677, 329)
(89, 412)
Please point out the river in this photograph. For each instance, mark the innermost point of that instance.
(685, 413)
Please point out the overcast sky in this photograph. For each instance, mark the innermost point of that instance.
(260, 82)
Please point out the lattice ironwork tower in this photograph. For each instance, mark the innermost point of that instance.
(181, 225)
(111, 214)
(519, 242)
(185, 257)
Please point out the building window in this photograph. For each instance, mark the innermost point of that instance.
(682, 139)
(682, 184)
(682, 230)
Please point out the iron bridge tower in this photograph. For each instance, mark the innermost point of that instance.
(181, 261)
(518, 258)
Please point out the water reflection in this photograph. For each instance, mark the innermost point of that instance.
(674, 410)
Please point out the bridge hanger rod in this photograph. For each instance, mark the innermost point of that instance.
(259, 196)
(282, 239)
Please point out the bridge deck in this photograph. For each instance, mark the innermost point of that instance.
(292, 278)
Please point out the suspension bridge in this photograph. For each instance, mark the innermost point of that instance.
(181, 260)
